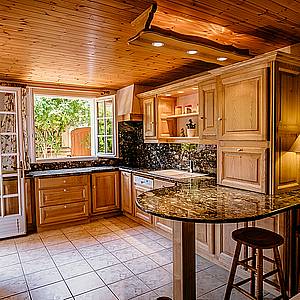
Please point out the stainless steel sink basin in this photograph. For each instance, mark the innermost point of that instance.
(177, 174)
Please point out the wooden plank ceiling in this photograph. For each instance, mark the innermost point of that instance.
(84, 42)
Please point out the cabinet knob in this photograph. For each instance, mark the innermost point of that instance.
(219, 119)
(239, 149)
(65, 190)
(65, 181)
(65, 206)
(201, 117)
(94, 187)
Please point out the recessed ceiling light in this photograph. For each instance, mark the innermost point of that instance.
(158, 44)
(168, 95)
(192, 52)
(180, 92)
(222, 58)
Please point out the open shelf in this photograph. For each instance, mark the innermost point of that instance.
(181, 116)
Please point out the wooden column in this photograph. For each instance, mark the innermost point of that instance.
(184, 278)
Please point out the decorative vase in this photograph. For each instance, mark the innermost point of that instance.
(191, 132)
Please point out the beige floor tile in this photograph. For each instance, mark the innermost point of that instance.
(37, 265)
(128, 288)
(141, 265)
(148, 248)
(72, 228)
(55, 291)
(22, 296)
(7, 248)
(67, 257)
(106, 237)
(33, 254)
(114, 273)
(103, 261)
(156, 278)
(30, 245)
(166, 291)
(165, 242)
(77, 235)
(127, 254)
(10, 272)
(9, 260)
(140, 238)
(54, 240)
(153, 235)
(127, 232)
(169, 268)
(92, 251)
(99, 294)
(148, 296)
(202, 263)
(49, 233)
(99, 231)
(12, 286)
(116, 245)
(75, 269)
(42, 278)
(84, 242)
(163, 257)
(84, 283)
(60, 248)
(205, 282)
(27, 238)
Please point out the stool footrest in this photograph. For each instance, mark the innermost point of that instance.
(245, 265)
(270, 273)
(269, 259)
(272, 283)
(242, 282)
(243, 291)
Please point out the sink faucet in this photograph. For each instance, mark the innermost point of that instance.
(191, 166)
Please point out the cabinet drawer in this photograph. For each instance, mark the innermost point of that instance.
(143, 215)
(63, 195)
(164, 224)
(243, 168)
(44, 183)
(63, 213)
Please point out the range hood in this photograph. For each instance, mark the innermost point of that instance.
(129, 106)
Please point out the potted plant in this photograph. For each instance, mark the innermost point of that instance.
(191, 128)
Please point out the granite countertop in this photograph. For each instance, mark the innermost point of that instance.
(203, 201)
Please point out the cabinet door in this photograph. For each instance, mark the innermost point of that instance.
(149, 118)
(205, 237)
(105, 192)
(208, 111)
(243, 107)
(225, 245)
(29, 205)
(126, 198)
(242, 167)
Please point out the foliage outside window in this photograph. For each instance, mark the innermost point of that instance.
(66, 127)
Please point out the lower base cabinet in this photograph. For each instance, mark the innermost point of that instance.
(105, 192)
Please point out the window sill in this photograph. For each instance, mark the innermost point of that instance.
(70, 159)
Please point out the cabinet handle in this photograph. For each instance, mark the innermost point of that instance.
(219, 119)
(239, 149)
(94, 187)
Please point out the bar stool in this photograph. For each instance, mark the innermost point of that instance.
(258, 239)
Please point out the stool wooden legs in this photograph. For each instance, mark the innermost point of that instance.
(260, 274)
(252, 282)
(280, 273)
(233, 270)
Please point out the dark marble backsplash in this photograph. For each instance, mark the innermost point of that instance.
(135, 153)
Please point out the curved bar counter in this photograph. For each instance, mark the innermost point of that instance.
(201, 200)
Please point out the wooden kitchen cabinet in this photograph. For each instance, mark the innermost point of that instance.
(149, 106)
(208, 111)
(126, 193)
(62, 199)
(243, 167)
(243, 102)
(105, 192)
(205, 238)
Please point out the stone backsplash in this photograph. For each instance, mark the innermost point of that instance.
(135, 153)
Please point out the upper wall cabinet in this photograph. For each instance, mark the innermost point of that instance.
(208, 111)
(243, 106)
(150, 118)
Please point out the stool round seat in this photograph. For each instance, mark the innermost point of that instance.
(257, 237)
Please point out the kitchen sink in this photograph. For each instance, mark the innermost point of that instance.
(177, 174)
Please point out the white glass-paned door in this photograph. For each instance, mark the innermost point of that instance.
(12, 212)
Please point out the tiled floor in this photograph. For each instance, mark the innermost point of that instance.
(109, 259)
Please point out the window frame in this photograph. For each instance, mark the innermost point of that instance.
(91, 96)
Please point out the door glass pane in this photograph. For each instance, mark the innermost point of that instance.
(100, 109)
(109, 145)
(10, 186)
(7, 102)
(11, 206)
(9, 163)
(101, 126)
(101, 144)
(7, 123)
(8, 144)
